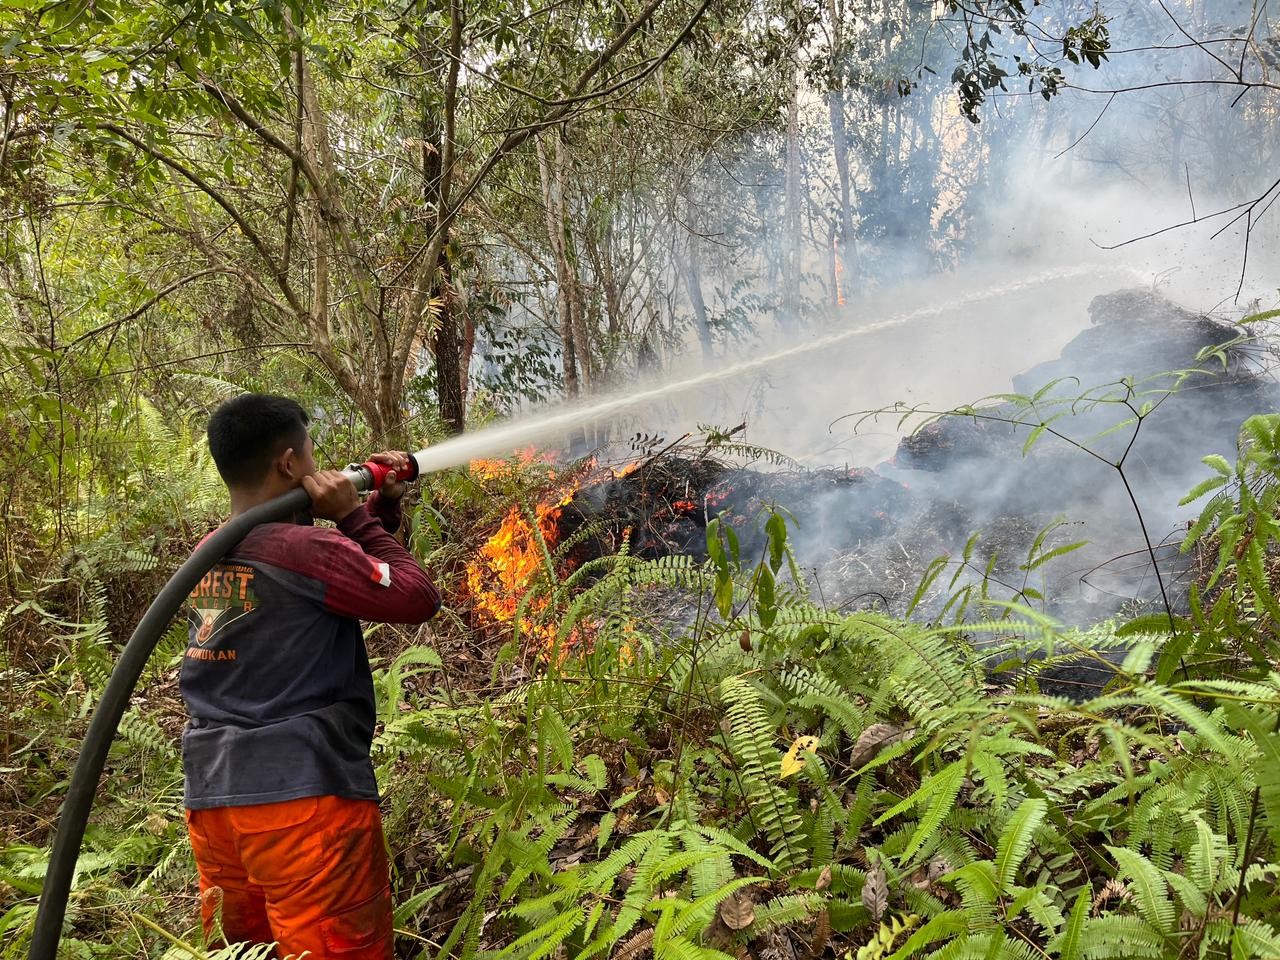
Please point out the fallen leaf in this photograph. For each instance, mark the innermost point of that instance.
(641, 943)
(793, 763)
(737, 912)
(824, 878)
(821, 935)
(875, 892)
(875, 738)
(938, 868)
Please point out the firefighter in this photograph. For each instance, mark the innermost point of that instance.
(281, 801)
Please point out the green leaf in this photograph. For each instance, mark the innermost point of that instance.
(1267, 767)
(776, 528)
(766, 605)
(1015, 840)
(1201, 488)
(1067, 943)
(1151, 623)
(1055, 552)
(715, 549)
(1148, 886)
(1218, 463)
(724, 595)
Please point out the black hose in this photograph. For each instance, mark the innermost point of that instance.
(115, 700)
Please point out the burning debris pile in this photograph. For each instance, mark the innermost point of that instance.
(865, 536)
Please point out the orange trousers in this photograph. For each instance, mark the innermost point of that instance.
(309, 874)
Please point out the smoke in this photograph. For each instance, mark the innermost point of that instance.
(1084, 195)
(1043, 244)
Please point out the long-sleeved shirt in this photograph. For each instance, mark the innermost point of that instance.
(276, 676)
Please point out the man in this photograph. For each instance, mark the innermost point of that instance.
(282, 806)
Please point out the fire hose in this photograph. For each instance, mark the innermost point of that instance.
(124, 679)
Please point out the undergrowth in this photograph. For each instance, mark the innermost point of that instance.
(747, 774)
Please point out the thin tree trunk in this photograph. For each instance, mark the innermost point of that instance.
(791, 214)
(693, 274)
(577, 310)
(844, 250)
(555, 240)
(449, 369)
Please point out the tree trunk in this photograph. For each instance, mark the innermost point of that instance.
(446, 345)
(448, 350)
(844, 250)
(791, 238)
(693, 275)
(577, 309)
(555, 241)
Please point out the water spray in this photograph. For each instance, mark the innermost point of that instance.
(498, 441)
(369, 476)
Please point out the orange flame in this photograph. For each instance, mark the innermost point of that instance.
(490, 469)
(507, 565)
(503, 569)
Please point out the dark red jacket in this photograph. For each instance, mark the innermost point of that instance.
(276, 677)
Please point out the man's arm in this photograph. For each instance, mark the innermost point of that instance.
(367, 573)
(386, 510)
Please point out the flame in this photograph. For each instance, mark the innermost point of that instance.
(482, 469)
(490, 469)
(505, 566)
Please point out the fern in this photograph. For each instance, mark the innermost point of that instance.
(772, 810)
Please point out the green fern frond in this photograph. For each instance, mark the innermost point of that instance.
(1150, 891)
(1015, 840)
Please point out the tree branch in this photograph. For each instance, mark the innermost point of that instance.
(151, 302)
(212, 192)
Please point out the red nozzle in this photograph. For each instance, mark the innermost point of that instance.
(379, 471)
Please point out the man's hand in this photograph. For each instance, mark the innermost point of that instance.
(333, 496)
(399, 464)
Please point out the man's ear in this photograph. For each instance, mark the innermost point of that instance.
(288, 465)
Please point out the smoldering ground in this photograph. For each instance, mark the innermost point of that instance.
(1107, 257)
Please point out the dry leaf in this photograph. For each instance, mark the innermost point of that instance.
(744, 641)
(737, 912)
(821, 935)
(793, 762)
(824, 878)
(1113, 889)
(641, 943)
(875, 892)
(875, 738)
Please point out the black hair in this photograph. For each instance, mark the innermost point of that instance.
(248, 432)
